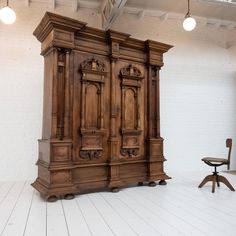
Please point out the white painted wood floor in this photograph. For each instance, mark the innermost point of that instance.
(179, 208)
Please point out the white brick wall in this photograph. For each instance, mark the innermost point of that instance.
(198, 89)
(21, 90)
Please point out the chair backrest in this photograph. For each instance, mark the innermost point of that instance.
(229, 145)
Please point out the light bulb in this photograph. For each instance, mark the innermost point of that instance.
(7, 15)
(189, 23)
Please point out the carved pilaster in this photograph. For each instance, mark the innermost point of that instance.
(63, 93)
(67, 119)
(154, 140)
(113, 106)
(114, 170)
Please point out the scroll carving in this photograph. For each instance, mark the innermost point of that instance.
(130, 152)
(130, 71)
(90, 154)
(93, 65)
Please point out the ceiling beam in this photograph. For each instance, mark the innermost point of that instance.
(53, 2)
(27, 3)
(163, 16)
(88, 4)
(231, 26)
(111, 10)
(220, 2)
(141, 14)
(75, 5)
(102, 6)
(230, 44)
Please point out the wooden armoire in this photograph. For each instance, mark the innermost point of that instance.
(101, 116)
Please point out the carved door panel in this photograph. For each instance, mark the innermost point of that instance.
(131, 112)
(91, 111)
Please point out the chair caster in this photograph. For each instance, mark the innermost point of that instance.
(140, 183)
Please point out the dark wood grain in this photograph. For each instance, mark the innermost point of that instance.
(101, 117)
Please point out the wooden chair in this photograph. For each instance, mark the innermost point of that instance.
(215, 162)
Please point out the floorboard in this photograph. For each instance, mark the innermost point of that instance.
(179, 208)
(37, 217)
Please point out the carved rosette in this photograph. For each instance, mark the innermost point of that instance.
(90, 154)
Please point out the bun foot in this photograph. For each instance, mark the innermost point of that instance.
(162, 182)
(152, 184)
(140, 183)
(52, 198)
(115, 190)
(69, 196)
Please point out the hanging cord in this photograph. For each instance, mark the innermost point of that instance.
(188, 13)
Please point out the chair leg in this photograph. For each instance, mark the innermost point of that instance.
(222, 179)
(217, 181)
(205, 180)
(213, 183)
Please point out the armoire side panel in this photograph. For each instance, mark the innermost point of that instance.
(48, 95)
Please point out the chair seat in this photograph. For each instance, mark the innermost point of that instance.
(216, 160)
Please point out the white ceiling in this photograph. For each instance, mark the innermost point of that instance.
(219, 9)
(213, 13)
(204, 8)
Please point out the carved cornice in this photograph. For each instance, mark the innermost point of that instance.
(116, 36)
(157, 46)
(51, 21)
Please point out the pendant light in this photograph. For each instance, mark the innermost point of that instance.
(189, 23)
(7, 15)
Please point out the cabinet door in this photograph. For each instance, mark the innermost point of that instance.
(91, 109)
(132, 132)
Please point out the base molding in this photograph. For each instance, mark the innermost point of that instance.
(52, 193)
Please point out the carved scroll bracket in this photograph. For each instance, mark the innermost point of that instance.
(93, 64)
(131, 71)
(129, 152)
(155, 70)
(90, 154)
